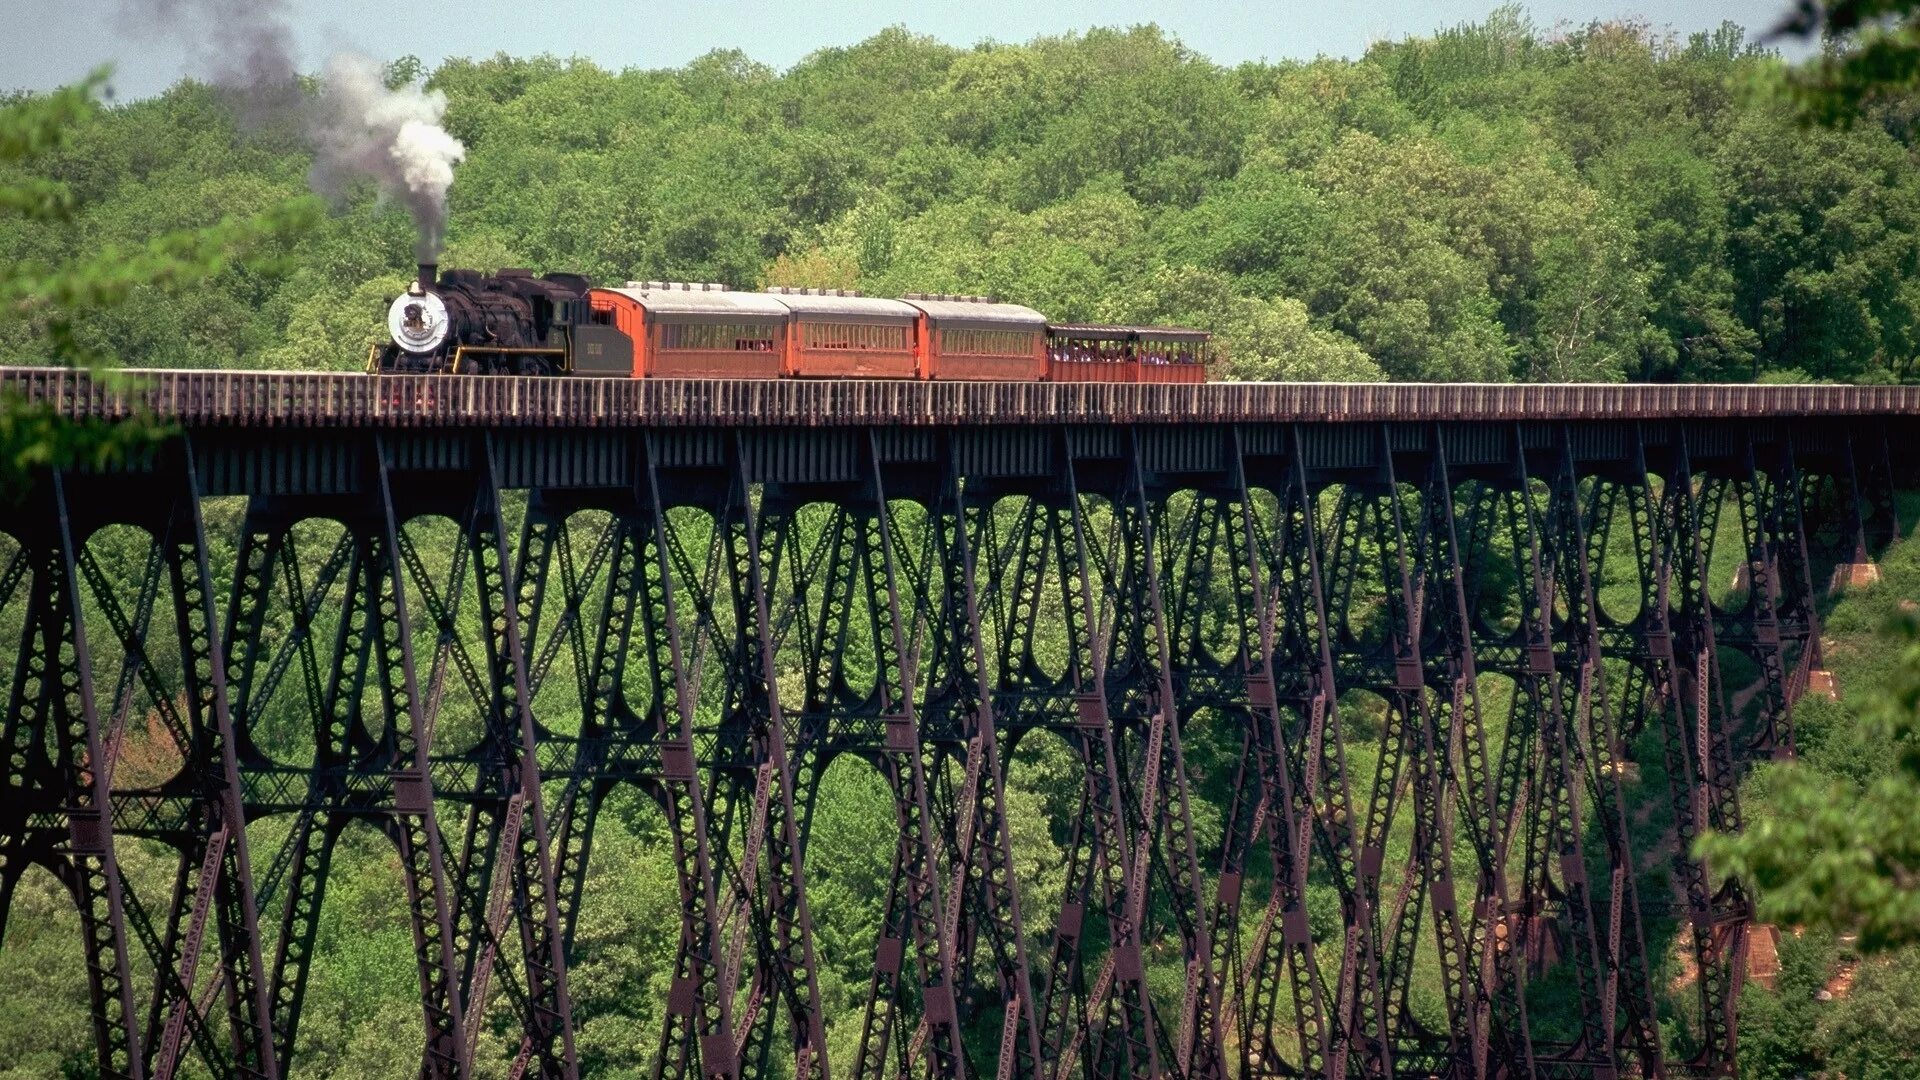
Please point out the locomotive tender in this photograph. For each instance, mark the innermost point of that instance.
(513, 323)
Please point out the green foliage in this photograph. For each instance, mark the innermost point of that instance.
(1877, 1036)
(53, 1038)
(1861, 1025)
(1780, 1036)
(1840, 848)
(61, 286)
(1492, 202)
(1873, 51)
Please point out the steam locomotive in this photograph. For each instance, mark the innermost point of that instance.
(513, 323)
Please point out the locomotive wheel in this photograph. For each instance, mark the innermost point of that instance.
(530, 365)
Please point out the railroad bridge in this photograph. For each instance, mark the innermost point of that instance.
(1463, 643)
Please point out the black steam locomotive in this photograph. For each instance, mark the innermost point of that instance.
(505, 323)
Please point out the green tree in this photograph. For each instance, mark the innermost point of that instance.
(1823, 239)
(1674, 202)
(1255, 339)
(1873, 52)
(1877, 1035)
(51, 302)
(1843, 852)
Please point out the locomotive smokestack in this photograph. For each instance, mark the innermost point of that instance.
(429, 275)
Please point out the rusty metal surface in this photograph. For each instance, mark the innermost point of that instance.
(299, 399)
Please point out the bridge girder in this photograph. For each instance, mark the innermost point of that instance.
(1435, 646)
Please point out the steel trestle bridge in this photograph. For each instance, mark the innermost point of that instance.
(1464, 641)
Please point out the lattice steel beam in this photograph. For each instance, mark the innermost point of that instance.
(1388, 640)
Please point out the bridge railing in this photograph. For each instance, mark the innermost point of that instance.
(331, 399)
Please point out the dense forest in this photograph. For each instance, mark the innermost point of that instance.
(1492, 202)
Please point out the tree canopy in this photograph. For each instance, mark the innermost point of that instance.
(55, 292)
(1490, 202)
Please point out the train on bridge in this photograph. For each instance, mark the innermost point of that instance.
(513, 323)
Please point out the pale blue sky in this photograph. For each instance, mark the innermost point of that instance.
(50, 43)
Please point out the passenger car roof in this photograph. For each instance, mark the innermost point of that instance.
(1171, 333)
(977, 314)
(864, 308)
(1101, 332)
(1090, 331)
(712, 302)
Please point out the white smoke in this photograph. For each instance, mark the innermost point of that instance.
(361, 128)
(358, 126)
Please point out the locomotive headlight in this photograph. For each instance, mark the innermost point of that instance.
(418, 322)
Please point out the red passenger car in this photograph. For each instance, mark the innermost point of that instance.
(1080, 352)
(1170, 355)
(976, 338)
(683, 331)
(836, 334)
(1083, 353)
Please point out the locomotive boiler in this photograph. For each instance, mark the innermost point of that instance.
(511, 322)
(505, 323)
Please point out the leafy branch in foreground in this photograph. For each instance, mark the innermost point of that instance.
(53, 300)
(1872, 49)
(1841, 854)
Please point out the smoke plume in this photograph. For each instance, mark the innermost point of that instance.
(243, 47)
(358, 127)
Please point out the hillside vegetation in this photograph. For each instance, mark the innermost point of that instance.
(1491, 203)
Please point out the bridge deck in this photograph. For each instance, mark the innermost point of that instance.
(313, 399)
